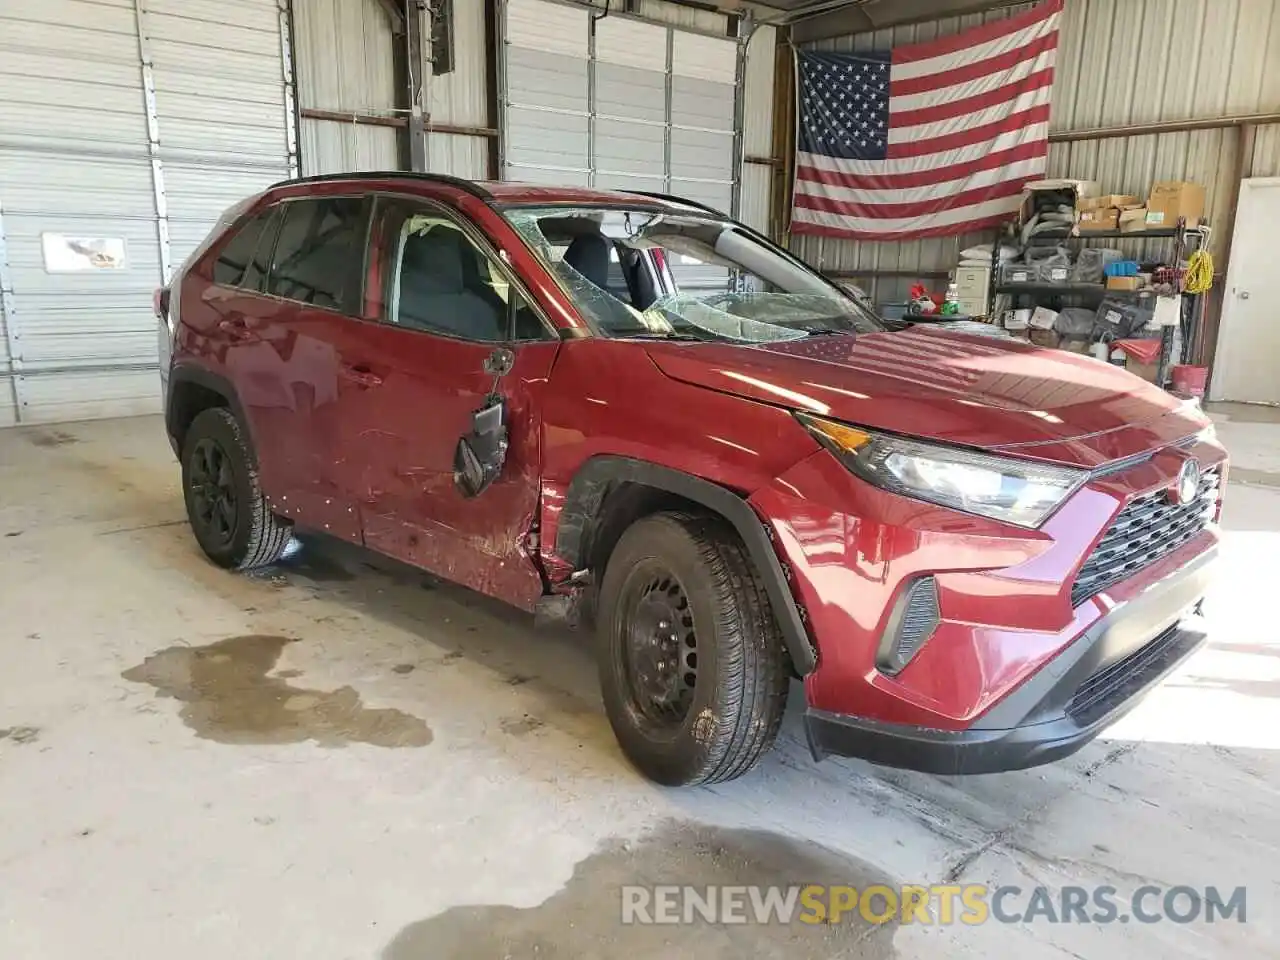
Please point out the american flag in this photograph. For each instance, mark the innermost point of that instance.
(927, 140)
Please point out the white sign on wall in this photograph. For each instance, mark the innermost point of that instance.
(63, 254)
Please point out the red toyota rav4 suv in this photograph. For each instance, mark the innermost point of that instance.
(627, 408)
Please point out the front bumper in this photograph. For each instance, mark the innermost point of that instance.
(1094, 681)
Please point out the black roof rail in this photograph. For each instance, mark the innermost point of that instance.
(672, 198)
(469, 186)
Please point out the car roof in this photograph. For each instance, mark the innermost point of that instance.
(511, 192)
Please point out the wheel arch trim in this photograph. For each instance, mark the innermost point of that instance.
(188, 373)
(600, 474)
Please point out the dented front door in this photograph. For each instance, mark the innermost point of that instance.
(404, 432)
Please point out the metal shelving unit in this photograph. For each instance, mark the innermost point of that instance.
(1181, 235)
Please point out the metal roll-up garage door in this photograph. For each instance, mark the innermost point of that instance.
(629, 104)
(546, 111)
(224, 107)
(126, 127)
(630, 135)
(703, 99)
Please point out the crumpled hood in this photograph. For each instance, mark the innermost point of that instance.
(953, 387)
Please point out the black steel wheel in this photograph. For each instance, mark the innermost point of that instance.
(212, 491)
(226, 508)
(693, 668)
(661, 656)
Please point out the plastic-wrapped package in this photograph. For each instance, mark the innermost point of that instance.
(1040, 254)
(1051, 264)
(1018, 273)
(1075, 322)
(1007, 252)
(1117, 319)
(1091, 264)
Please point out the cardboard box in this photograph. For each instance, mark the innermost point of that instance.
(1149, 372)
(1044, 338)
(1171, 199)
(1104, 218)
(1017, 319)
(1121, 201)
(1075, 345)
(1081, 188)
(1133, 219)
(1124, 283)
(1069, 191)
(1042, 318)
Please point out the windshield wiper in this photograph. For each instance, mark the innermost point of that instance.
(655, 335)
(830, 333)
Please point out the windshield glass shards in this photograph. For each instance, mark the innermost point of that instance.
(641, 273)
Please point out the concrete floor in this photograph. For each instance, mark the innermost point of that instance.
(332, 761)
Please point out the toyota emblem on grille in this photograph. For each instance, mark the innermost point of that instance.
(1187, 485)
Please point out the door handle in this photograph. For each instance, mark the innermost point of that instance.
(360, 375)
(237, 329)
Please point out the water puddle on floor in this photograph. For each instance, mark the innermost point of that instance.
(50, 438)
(585, 919)
(20, 735)
(227, 696)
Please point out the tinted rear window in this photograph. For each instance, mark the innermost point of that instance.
(237, 254)
(255, 275)
(320, 252)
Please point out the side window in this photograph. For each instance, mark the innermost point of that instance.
(435, 279)
(319, 255)
(236, 255)
(255, 274)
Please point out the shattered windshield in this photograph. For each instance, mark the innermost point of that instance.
(642, 273)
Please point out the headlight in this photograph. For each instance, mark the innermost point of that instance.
(1015, 491)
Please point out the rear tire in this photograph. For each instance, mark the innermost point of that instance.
(225, 506)
(692, 665)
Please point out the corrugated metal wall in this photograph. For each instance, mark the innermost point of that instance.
(345, 64)
(461, 98)
(1266, 152)
(123, 121)
(1119, 62)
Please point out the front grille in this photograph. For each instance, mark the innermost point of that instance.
(1115, 683)
(1149, 528)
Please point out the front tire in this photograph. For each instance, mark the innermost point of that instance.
(692, 664)
(225, 506)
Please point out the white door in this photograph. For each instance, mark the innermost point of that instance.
(1247, 365)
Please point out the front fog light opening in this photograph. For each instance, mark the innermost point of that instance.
(915, 617)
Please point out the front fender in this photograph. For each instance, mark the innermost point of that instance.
(585, 497)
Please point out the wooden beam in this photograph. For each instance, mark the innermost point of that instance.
(380, 120)
(361, 119)
(1164, 126)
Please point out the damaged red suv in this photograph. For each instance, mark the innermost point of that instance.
(627, 409)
